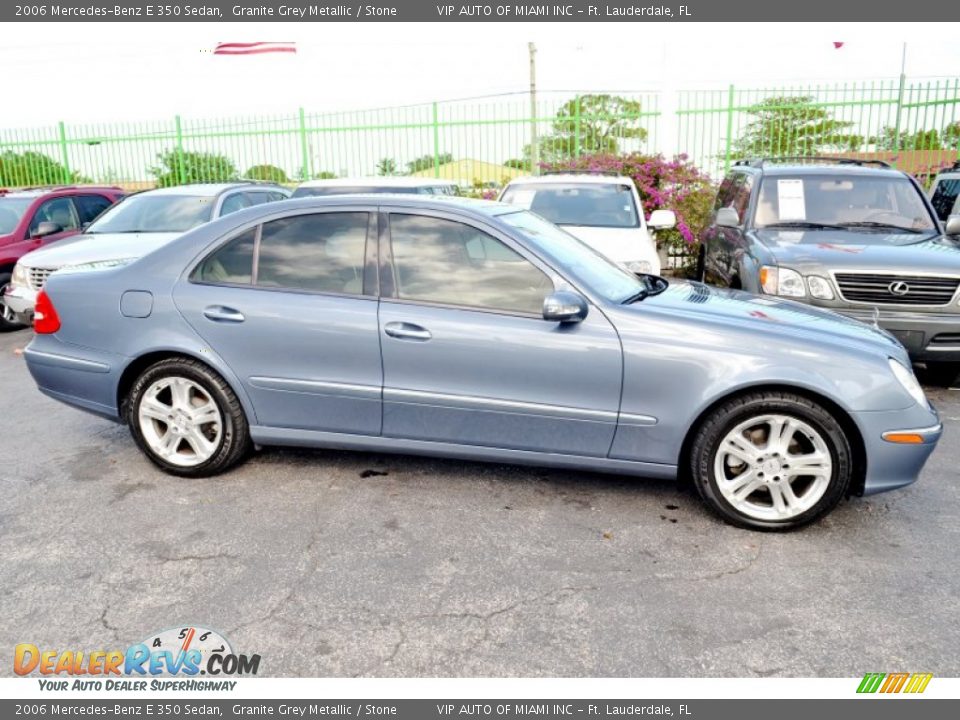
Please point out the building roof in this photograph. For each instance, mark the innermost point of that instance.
(469, 171)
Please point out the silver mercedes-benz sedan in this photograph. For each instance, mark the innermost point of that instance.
(478, 330)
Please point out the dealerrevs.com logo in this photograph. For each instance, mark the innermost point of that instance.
(179, 652)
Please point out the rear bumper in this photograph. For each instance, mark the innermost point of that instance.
(22, 301)
(891, 465)
(76, 376)
(926, 336)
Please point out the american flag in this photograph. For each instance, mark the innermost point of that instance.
(254, 48)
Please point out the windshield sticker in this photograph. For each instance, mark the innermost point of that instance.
(523, 198)
(791, 200)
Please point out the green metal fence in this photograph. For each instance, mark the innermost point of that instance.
(484, 141)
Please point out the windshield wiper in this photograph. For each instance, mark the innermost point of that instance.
(882, 226)
(637, 296)
(803, 224)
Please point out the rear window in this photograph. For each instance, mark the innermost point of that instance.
(945, 198)
(580, 204)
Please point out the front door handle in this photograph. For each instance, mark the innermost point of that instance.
(407, 331)
(219, 313)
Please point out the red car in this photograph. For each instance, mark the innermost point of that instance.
(33, 218)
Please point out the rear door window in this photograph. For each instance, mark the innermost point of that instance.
(89, 206)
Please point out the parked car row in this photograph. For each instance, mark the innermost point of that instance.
(425, 323)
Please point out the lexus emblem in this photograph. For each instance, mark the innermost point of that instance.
(898, 288)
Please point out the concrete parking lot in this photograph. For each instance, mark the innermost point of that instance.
(342, 564)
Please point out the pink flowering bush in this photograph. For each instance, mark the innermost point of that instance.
(675, 184)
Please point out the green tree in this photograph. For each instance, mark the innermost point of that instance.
(33, 168)
(793, 125)
(427, 162)
(590, 123)
(387, 166)
(270, 173)
(517, 164)
(192, 167)
(951, 136)
(920, 140)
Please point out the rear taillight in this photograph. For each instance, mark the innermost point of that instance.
(45, 318)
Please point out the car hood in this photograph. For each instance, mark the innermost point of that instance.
(768, 316)
(97, 248)
(619, 244)
(840, 249)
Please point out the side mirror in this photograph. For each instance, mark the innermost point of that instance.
(662, 219)
(564, 307)
(46, 228)
(727, 217)
(953, 225)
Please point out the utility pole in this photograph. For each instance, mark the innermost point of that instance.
(534, 141)
(903, 82)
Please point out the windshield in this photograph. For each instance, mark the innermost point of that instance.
(600, 275)
(155, 213)
(11, 211)
(582, 204)
(855, 202)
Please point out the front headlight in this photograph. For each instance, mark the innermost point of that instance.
(640, 266)
(819, 287)
(781, 281)
(909, 381)
(19, 278)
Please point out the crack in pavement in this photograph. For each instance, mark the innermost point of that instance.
(199, 558)
(717, 575)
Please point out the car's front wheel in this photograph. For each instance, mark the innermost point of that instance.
(771, 461)
(8, 320)
(187, 419)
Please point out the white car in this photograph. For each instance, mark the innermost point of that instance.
(945, 193)
(377, 185)
(603, 211)
(130, 229)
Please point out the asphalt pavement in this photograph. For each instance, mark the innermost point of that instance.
(350, 564)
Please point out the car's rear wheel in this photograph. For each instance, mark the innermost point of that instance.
(186, 419)
(8, 320)
(771, 461)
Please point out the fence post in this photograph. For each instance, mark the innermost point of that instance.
(65, 155)
(576, 127)
(181, 166)
(729, 140)
(436, 142)
(304, 148)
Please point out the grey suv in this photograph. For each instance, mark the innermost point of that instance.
(857, 237)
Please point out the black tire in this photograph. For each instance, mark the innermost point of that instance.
(725, 418)
(7, 323)
(943, 374)
(234, 443)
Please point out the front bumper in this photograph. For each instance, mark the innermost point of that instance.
(926, 336)
(891, 465)
(22, 301)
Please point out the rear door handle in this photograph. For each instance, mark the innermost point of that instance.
(407, 331)
(219, 313)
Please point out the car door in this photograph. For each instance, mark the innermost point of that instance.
(467, 355)
(286, 305)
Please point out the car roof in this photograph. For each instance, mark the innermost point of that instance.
(208, 189)
(563, 178)
(58, 190)
(827, 169)
(420, 202)
(386, 181)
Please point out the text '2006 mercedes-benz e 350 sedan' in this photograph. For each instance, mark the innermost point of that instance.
(475, 330)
